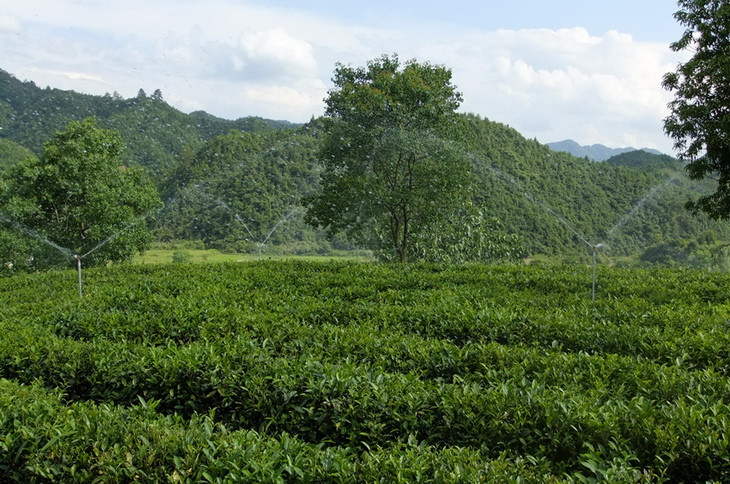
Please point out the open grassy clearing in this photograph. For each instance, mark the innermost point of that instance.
(166, 253)
(355, 372)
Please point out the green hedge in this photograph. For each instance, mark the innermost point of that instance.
(43, 439)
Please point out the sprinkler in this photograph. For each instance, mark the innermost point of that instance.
(78, 264)
(595, 251)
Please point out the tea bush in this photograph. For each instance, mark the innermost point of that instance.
(352, 372)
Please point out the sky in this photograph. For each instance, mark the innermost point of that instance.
(585, 70)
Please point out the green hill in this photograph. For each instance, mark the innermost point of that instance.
(12, 153)
(154, 132)
(244, 190)
(561, 204)
(643, 160)
(238, 185)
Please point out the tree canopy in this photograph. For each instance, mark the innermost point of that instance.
(77, 199)
(390, 163)
(700, 112)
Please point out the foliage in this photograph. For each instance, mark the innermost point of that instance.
(700, 112)
(627, 203)
(645, 161)
(12, 153)
(468, 235)
(346, 372)
(77, 199)
(154, 133)
(390, 166)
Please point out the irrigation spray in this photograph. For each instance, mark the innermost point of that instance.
(594, 247)
(32, 233)
(67, 253)
(635, 209)
(260, 245)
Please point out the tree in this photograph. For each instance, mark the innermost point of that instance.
(390, 157)
(77, 199)
(699, 121)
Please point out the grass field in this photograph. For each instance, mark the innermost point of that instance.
(339, 371)
(187, 255)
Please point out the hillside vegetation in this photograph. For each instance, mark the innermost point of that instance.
(238, 185)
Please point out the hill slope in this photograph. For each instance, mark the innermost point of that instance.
(154, 132)
(239, 184)
(562, 204)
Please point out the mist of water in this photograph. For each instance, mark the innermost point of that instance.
(539, 203)
(68, 254)
(113, 236)
(653, 192)
(559, 218)
(277, 226)
(638, 206)
(624, 220)
(237, 217)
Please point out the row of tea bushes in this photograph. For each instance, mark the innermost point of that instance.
(356, 406)
(43, 439)
(511, 306)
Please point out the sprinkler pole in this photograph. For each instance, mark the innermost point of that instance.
(595, 251)
(78, 264)
(593, 296)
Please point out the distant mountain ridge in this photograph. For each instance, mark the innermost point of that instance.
(595, 152)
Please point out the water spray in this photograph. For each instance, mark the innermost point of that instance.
(594, 247)
(32, 233)
(635, 209)
(559, 218)
(237, 218)
(262, 244)
(68, 254)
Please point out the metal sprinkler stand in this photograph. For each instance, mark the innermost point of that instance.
(593, 295)
(595, 251)
(78, 264)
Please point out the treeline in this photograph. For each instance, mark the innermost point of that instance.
(238, 185)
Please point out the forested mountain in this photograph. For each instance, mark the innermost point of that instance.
(244, 191)
(11, 153)
(155, 133)
(644, 160)
(238, 185)
(596, 152)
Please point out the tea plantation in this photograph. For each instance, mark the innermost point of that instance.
(292, 371)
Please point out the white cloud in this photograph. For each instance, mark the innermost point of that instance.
(273, 53)
(235, 59)
(565, 84)
(10, 24)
